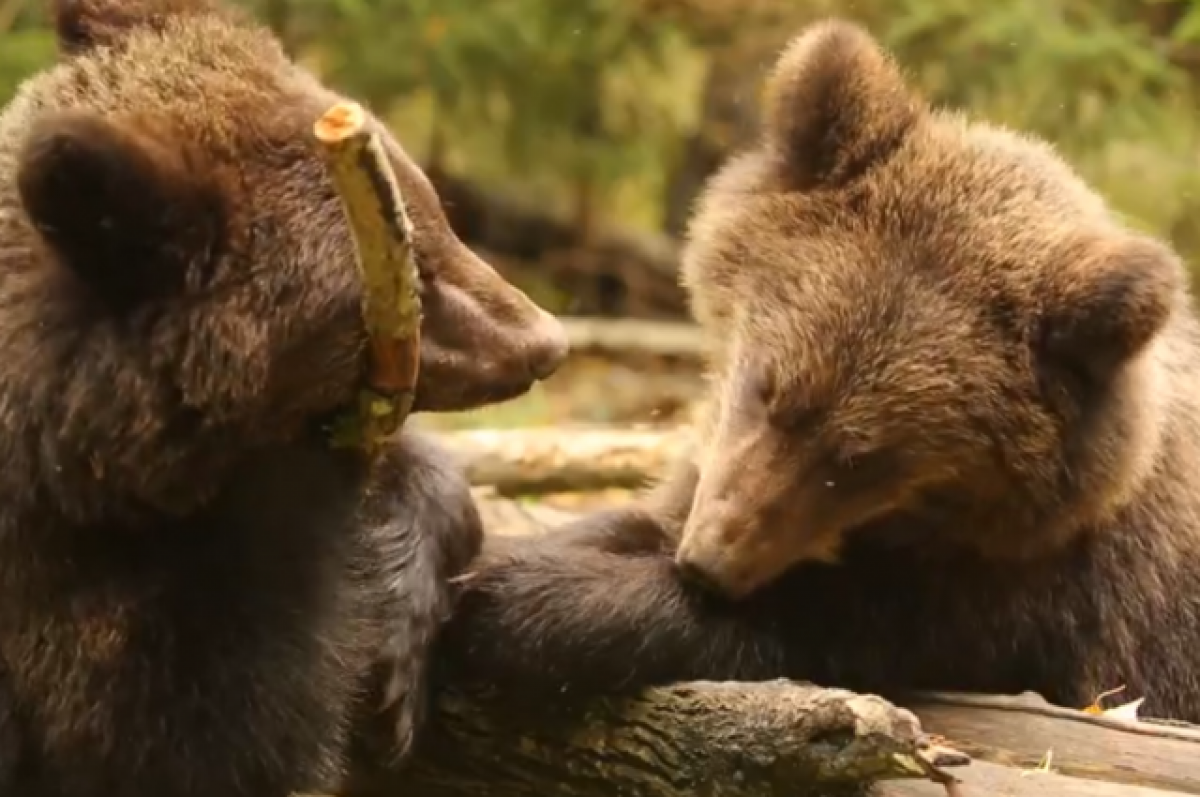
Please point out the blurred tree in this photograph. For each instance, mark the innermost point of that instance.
(1114, 83)
(618, 109)
(564, 89)
(25, 42)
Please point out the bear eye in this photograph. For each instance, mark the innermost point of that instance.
(793, 419)
(765, 386)
(754, 389)
(866, 465)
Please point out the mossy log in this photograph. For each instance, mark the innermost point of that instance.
(728, 739)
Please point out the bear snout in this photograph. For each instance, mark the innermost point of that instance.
(722, 557)
(547, 347)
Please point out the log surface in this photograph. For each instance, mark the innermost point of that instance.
(984, 779)
(1020, 731)
(725, 739)
(539, 461)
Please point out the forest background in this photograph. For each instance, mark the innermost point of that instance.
(569, 137)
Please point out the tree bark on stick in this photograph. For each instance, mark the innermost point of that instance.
(370, 195)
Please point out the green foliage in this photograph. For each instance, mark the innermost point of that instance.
(22, 52)
(559, 87)
(26, 43)
(587, 101)
(1103, 79)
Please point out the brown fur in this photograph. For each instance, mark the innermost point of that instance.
(193, 585)
(952, 440)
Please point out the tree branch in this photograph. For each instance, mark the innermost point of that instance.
(374, 208)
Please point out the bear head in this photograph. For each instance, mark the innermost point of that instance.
(177, 267)
(921, 327)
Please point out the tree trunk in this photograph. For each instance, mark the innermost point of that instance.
(605, 272)
(728, 122)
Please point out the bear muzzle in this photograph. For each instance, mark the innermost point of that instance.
(753, 518)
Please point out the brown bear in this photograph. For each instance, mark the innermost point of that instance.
(195, 585)
(952, 439)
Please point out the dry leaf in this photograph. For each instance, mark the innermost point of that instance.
(1127, 711)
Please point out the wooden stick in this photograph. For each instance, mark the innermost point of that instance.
(374, 206)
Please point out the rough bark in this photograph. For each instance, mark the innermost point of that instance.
(723, 739)
(735, 739)
(787, 739)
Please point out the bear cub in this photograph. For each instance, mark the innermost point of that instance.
(952, 440)
(195, 588)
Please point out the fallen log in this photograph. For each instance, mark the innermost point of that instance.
(984, 779)
(1020, 731)
(634, 336)
(545, 460)
(731, 739)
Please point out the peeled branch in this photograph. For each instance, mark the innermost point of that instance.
(374, 206)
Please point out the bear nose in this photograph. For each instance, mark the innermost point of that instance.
(695, 576)
(548, 347)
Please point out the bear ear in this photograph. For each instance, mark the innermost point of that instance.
(836, 103)
(1109, 300)
(124, 209)
(84, 24)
